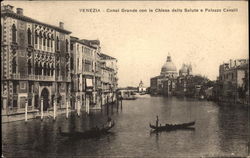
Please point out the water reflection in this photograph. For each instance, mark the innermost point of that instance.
(218, 131)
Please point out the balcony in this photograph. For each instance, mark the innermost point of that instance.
(59, 78)
(88, 73)
(41, 78)
(15, 76)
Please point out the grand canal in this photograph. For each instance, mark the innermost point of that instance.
(219, 130)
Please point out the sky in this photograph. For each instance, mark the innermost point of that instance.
(141, 41)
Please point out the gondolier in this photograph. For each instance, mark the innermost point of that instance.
(157, 121)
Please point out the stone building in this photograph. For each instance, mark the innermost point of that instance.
(35, 62)
(109, 79)
(165, 83)
(233, 81)
(185, 74)
(84, 72)
(93, 74)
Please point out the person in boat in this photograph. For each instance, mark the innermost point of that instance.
(157, 121)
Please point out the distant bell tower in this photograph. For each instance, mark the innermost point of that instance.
(140, 86)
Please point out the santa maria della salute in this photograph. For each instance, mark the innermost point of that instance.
(168, 82)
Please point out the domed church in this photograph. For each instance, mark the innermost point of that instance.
(169, 69)
(165, 82)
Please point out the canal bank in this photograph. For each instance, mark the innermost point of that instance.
(219, 131)
(52, 113)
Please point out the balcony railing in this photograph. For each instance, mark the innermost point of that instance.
(15, 76)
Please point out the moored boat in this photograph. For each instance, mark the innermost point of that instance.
(92, 133)
(168, 127)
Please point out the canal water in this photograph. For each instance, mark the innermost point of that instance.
(219, 130)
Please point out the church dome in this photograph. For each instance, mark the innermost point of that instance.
(184, 68)
(168, 67)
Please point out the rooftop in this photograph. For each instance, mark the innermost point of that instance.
(84, 42)
(105, 57)
(7, 11)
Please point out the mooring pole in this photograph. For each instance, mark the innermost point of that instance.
(121, 103)
(26, 110)
(78, 107)
(67, 108)
(41, 109)
(54, 110)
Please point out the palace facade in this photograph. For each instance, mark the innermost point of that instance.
(35, 62)
(43, 65)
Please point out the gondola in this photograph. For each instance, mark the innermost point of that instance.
(169, 127)
(92, 133)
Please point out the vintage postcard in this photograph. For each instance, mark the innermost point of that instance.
(125, 79)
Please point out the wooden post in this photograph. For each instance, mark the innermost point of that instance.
(121, 103)
(87, 105)
(78, 107)
(54, 106)
(41, 108)
(26, 110)
(101, 101)
(112, 104)
(67, 108)
(107, 108)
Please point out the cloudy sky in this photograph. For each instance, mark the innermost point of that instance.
(142, 41)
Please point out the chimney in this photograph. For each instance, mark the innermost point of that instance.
(61, 24)
(7, 8)
(19, 11)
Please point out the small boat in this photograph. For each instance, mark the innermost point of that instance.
(169, 127)
(92, 133)
(142, 93)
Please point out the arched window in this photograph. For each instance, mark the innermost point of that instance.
(44, 39)
(40, 38)
(29, 67)
(36, 69)
(57, 43)
(71, 63)
(48, 40)
(13, 29)
(44, 69)
(52, 38)
(36, 37)
(52, 70)
(14, 65)
(29, 36)
(40, 69)
(57, 69)
(48, 69)
(67, 45)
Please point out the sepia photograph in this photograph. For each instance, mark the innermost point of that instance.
(125, 79)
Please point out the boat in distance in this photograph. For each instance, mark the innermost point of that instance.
(169, 127)
(92, 133)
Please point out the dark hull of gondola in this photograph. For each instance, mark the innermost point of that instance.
(93, 133)
(170, 127)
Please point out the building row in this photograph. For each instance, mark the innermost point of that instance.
(232, 85)
(43, 63)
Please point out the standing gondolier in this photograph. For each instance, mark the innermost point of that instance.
(157, 121)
